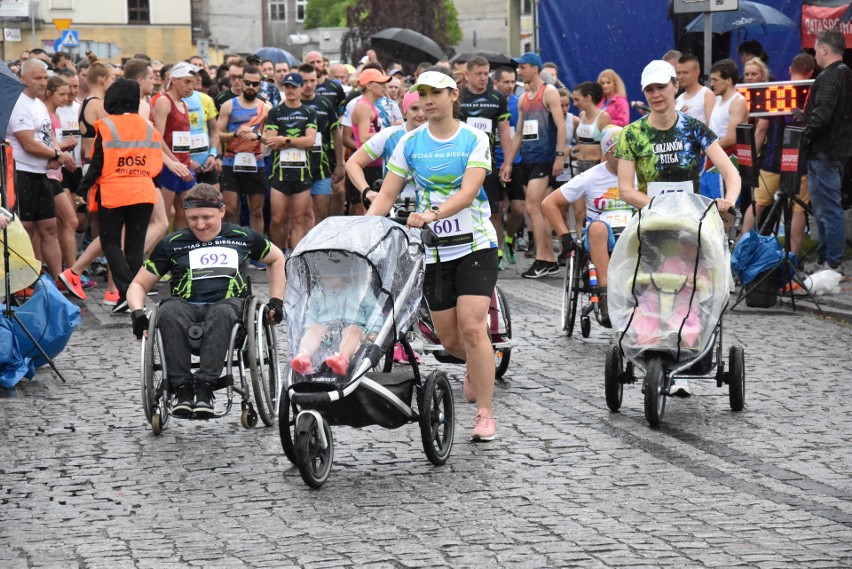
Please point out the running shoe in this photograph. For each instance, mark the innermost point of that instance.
(500, 263)
(87, 282)
(484, 427)
(405, 359)
(183, 401)
(603, 306)
(509, 254)
(398, 353)
(541, 269)
(73, 283)
(338, 364)
(257, 265)
(680, 388)
(203, 407)
(111, 297)
(120, 306)
(301, 364)
(521, 244)
(469, 393)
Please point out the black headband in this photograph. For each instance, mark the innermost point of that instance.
(203, 202)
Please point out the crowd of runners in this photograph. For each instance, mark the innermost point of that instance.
(288, 145)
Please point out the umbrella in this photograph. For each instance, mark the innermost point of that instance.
(495, 59)
(407, 45)
(751, 17)
(10, 89)
(277, 55)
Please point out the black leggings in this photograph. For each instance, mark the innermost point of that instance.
(134, 220)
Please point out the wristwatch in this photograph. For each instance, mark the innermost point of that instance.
(287, 141)
(437, 211)
(259, 136)
(58, 154)
(560, 153)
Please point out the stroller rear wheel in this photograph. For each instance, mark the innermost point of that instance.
(503, 355)
(736, 378)
(314, 461)
(437, 418)
(655, 391)
(612, 378)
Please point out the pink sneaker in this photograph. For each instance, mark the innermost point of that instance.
(405, 359)
(398, 353)
(301, 364)
(469, 393)
(484, 427)
(338, 364)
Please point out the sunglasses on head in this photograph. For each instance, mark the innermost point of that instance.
(251, 83)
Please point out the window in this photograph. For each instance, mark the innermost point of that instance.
(301, 9)
(138, 12)
(278, 10)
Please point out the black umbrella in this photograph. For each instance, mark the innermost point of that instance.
(10, 89)
(407, 45)
(495, 59)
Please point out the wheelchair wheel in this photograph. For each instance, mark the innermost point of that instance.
(154, 397)
(655, 391)
(613, 387)
(437, 417)
(585, 326)
(287, 412)
(262, 361)
(503, 355)
(736, 378)
(572, 292)
(313, 460)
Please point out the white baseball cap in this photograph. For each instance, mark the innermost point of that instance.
(183, 69)
(658, 72)
(434, 79)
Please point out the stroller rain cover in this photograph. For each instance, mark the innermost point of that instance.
(657, 300)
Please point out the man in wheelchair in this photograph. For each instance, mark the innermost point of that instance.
(207, 263)
(595, 194)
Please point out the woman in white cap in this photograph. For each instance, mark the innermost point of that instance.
(448, 161)
(663, 148)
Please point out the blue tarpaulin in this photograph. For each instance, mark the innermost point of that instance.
(756, 254)
(50, 318)
(584, 38)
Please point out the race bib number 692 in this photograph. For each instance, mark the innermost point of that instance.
(213, 262)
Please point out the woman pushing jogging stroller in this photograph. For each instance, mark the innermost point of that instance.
(448, 161)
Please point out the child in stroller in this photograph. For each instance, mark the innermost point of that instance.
(341, 306)
(675, 288)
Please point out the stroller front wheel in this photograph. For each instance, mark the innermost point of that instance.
(736, 378)
(655, 391)
(314, 461)
(437, 418)
(612, 378)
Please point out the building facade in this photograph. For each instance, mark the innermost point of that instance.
(112, 29)
(504, 26)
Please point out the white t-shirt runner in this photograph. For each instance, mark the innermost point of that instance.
(599, 187)
(30, 114)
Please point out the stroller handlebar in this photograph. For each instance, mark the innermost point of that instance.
(429, 238)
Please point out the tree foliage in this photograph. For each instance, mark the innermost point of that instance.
(327, 13)
(437, 19)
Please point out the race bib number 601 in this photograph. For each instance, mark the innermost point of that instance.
(213, 262)
(454, 230)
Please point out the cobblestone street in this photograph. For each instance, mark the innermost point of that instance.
(85, 484)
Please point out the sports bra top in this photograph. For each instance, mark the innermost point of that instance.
(588, 133)
(89, 128)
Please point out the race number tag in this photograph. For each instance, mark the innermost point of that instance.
(213, 263)
(317, 142)
(292, 158)
(480, 123)
(530, 130)
(245, 162)
(199, 142)
(616, 217)
(180, 141)
(659, 188)
(455, 230)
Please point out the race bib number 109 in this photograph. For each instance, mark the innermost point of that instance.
(213, 262)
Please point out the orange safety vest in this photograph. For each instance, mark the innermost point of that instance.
(133, 156)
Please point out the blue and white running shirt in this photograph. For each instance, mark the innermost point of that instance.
(437, 168)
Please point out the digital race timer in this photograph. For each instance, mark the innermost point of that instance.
(775, 99)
